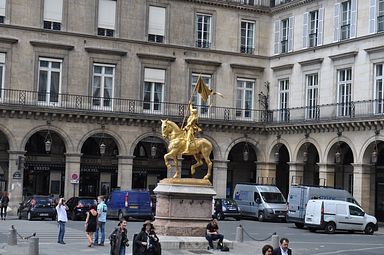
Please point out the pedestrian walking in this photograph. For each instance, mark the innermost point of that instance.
(119, 239)
(102, 219)
(62, 218)
(283, 248)
(91, 224)
(147, 242)
(267, 249)
(4, 205)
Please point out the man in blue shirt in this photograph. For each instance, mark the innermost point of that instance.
(102, 219)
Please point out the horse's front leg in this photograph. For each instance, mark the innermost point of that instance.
(177, 173)
(166, 161)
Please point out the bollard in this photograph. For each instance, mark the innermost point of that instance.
(275, 241)
(33, 246)
(239, 234)
(12, 238)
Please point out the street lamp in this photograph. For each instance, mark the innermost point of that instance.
(374, 153)
(338, 153)
(153, 150)
(48, 142)
(246, 152)
(102, 146)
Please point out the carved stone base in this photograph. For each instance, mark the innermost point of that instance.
(183, 210)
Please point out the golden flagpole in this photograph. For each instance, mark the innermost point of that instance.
(190, 101)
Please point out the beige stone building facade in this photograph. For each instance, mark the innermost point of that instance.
(85, 83)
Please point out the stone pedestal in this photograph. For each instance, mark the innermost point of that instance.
(183, 209)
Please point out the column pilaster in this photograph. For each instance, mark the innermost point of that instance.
(326, 174)
(220, 168)
(72, 166)
(124, 172)
(296, 173)
(364, 186)
(15, 180)
(266, 172)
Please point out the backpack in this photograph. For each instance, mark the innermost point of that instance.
(224, 248)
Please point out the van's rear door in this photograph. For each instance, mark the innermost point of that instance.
(313, 212)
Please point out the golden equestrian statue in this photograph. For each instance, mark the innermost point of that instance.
(182, 141)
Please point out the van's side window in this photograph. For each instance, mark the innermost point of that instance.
(256, 197)
(355, 211)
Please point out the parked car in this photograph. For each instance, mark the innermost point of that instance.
(37, 206)
(265, 202)
(224, 208)
(299, 196)
(129, 203)
(79, 206)
(332, 215)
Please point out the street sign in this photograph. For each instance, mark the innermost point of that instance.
(74, 178)
(16, 175)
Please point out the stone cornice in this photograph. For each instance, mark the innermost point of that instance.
(202, 62)
(247, 67)
(282, 67)
(234, 5)
(115, 52)
(9, 40)
(156, 57)
(290, 5)
(375, 49)
(311, 62)
(52, 45)
(350, 54)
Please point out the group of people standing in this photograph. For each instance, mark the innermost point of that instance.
(4, 200)
(283, 249)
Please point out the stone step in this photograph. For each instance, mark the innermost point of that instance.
(188, 243)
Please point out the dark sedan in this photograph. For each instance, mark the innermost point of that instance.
(79, 206)
(224, 208)
(37, 207)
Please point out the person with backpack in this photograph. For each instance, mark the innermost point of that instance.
(102, 219)
(119, 239)
(147, 242)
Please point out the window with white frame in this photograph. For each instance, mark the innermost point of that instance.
(2, 73)
(103, 83)
(247, 37)
(344, 94)
(53, 14)
(203, 30)
(379, 83)
(283, 35)
(106, 18)
(312, 82)
(313, 28)
(345, 20)
(2, 11)
(154, 82)
(376, 16)
(156, 24)
(283, 100)
(244, 98)
(199, 104)
(49, 83)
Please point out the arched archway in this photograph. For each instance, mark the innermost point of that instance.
(281, 158)
(98, 165)
(309, 155)
(241, 166)
(44, 167)
(148, 165)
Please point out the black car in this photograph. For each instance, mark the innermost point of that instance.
(79, 206)
(225, 207)
(37, 206)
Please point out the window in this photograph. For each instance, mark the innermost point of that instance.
(313, 28)
(156, 24)
(2, 10)
(345, 20)
(344, 87)
(154, 80)
(379, 83)
(103, 85)
(53, 13)
(107, 17)
(283, 35)
(196, 99)
(355, 211)
(376, 16)
(312, 82)
(203, 31)
(247, 37)
(244, 98)
(49, 84)
(2, 71)
(283, 100)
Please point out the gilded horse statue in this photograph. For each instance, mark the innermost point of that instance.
(199, 148)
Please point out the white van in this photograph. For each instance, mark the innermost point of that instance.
(332, 215)
(261, 201)
(299, 195)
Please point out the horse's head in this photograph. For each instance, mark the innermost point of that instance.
(164, 128)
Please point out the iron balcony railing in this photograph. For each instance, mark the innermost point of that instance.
(144, 109)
